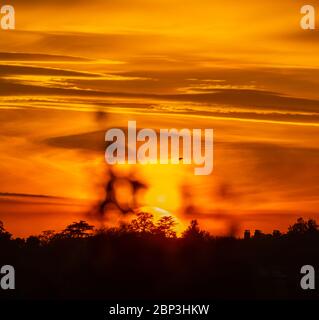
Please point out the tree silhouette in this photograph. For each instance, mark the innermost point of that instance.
(2, 230)
(193, 232)
(33, 242)
(165, 226)
(302, 227)
(46, 236)
(78, 263)
(79, 229)
(143, 223)
(4, 235)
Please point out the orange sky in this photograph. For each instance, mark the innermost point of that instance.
(243, 68)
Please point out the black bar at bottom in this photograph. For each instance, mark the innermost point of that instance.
(98, 310)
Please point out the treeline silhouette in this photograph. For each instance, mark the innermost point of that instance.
(144, 259)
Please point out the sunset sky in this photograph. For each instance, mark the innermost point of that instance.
(243, 68)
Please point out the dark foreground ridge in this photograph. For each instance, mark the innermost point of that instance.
(144, 260)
